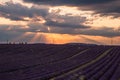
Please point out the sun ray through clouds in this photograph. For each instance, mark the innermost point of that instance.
(52, 39)
(36, 37)
(23, 36)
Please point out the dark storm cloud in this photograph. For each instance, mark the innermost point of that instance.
(106, 9)
(106, 32)
(13, 28)
(68, 2)
(32, 27)
(65, 21)
(103, 7)
(16, 11)
(63, 24)
(37, 27)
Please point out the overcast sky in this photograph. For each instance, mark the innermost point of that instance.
(60, 21)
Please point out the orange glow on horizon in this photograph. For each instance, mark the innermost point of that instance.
(52, 38)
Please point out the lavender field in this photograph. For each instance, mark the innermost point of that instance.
(59, 62)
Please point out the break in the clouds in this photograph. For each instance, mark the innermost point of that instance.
(103, 7)
(16, 11)
(63, 25)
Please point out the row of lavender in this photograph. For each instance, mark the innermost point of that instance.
(59, 62)
(106, 68)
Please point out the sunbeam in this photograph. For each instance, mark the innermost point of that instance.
(36, 37)
(26, 34)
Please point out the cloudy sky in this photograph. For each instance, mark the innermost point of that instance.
(60, 21)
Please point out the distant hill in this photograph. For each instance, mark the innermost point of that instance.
(82, 44)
